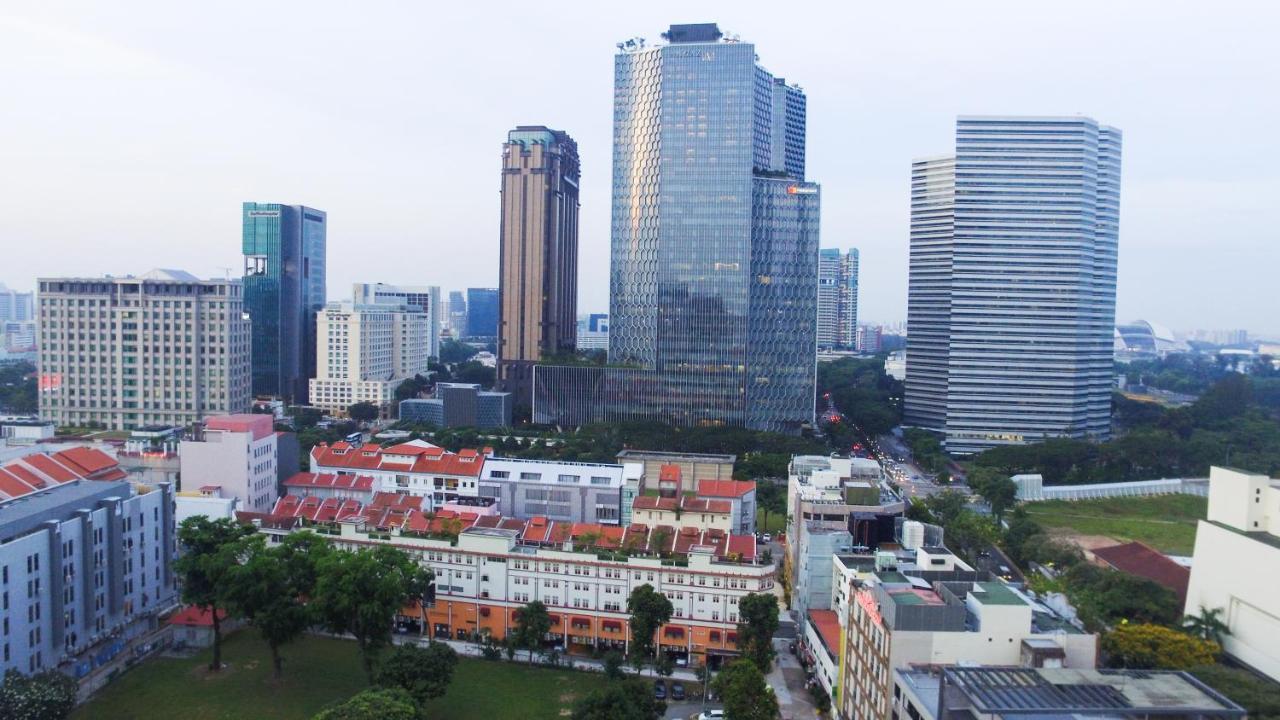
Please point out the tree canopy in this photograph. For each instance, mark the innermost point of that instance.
(210, 553)
(649, 610)
(532, 626)
(1154, 647)
(758, 621)
(423, 672)
(745, 692)
(373, 704)
(47, 695)
(622, 700)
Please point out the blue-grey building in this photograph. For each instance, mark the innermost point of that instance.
(1011, 301)
(284, 288)
(482, 312)
(85, 566)
(713, 283)
(460, 405)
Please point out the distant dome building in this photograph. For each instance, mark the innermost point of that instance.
(1141, 339)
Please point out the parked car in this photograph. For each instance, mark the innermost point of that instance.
(659, 690)
(766, 538)
(677, 691)
(712, 715)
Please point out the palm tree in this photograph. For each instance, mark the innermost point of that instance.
(1206, 624)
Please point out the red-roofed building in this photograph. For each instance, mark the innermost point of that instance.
(1144, 561)
(40, 471)
(741, 496)
(487, 567)
(327, 485)
(193, 626)
(683, 511)
(414, 468)
(822, 648)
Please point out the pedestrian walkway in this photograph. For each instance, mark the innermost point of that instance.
(787, 679)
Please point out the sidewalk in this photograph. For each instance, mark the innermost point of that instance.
(787, 679)
(575, 662)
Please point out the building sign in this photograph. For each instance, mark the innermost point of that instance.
(868, 603)
(50, 381)
(797, 190)
(264, 213)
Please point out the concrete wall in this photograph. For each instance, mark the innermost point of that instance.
(1236, 573)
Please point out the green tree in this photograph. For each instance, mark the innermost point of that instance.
(1106, 598)
(532, 626)
(48, 695)
(363, 412)
(1258, 696)
(270, 586)
(624, 700)
(361, 592)
(758, 621)
(613, 665)
(209, 554)
(649, 611)
(995, 487)
(18, 388)
(411, 388)
(1206, 624)
(423, 672)
(1155, 647)
(452, 352)
(772, 498)
(474, 372)
(373, 704)
(745, 692)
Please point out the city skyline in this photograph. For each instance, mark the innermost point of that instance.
(140, 169)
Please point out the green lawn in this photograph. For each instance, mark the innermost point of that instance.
(318, 672)
(1165, 522)
(777, 522)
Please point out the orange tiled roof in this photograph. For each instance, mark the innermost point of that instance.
(424, 460)
(725, 488)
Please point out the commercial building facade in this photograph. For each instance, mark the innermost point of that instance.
(713, 282)
(1011, 302)
(562, 491)
(165, 348)
(538, 270)
(837, 298)
(365, 352)
(482, 313)
(487, 567)
(85, 564)
(420, 298)
(237, 454)
(460, 405)
(284, 279)
(415, 468)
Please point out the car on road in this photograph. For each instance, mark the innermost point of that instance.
(766, 538)
(711, 715)
(677, 691)
(659, 690)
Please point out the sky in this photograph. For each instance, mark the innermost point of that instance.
(131, 131)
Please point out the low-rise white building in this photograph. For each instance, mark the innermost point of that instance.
(237, 453)
(415, 468)
(364, 352)
(208, 501)
(1237, 548)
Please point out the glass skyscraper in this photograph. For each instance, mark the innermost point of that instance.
(482, 312)
(284, 288)
(1011, 303)
(713, 285)
(837, 298)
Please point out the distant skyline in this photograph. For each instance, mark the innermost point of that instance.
(132, 132)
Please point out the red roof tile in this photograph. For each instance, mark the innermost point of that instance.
(193, 616)
(1142, 560)
(49, 467)
(331, 481)
(827, 623)
(725, 488)
(86, 461)
(256, 424)
(425, 460)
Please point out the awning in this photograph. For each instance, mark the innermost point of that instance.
(614, 625)
(580, 622)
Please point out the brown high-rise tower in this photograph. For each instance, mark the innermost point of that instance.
(538, 274)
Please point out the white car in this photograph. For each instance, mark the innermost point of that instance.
(766, 538)
(712, 715)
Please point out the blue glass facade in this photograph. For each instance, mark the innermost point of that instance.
(482, 312)
(284, 288)
(714, 245)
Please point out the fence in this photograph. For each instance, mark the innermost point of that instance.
(1031, 488)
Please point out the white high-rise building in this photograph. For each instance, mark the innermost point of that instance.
(164, 348)
(364, 352)
(425, 298)
(1011, 303)
(16, 306)
(837, 298)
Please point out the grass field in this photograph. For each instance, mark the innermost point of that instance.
(1165, 522)
(777, 522)
(319, 672)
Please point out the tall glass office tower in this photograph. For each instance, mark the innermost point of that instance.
(1011, 303)
(284, 288)
(714, 246)
(837, 298)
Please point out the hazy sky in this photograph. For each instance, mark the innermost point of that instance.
(131, 131)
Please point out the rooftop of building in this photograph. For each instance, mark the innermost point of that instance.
(330, 481)
(684, 503)
(193, 616)
(1142, 560)
(257, 424)
(167, 275)
(402, 513)
(37, 471)
(673, 457)
(415, 456)
(725, 488)
(914, 596)
(22, 515)
(995, 593)
(1046, 692)
(827, 623)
